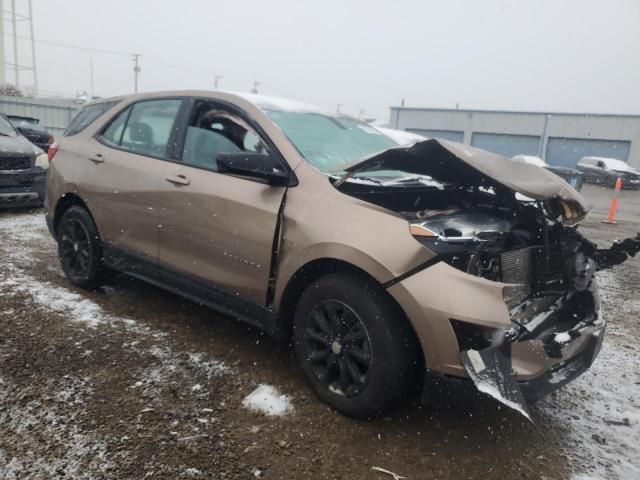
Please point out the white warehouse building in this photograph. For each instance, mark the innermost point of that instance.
(559, 138)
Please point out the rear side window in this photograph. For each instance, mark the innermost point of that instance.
(144, 128)
(113, 133)
(86, 117)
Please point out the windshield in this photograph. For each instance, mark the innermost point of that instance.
(6, 129)
(618, 165)
(328, 142)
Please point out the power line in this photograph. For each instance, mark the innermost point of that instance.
(136, 58)
(65, 45)
(110, 91)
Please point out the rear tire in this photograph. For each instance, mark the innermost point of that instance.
(80, 248)
(355, 345)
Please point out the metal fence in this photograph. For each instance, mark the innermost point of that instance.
(54, 114)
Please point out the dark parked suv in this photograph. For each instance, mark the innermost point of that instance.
(32, 129)
(23, 168)
(606, 171)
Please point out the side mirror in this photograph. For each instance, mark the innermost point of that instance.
(260, 166)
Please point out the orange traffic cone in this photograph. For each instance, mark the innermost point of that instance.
(614, 203)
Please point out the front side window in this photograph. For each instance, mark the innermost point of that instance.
(328, 142)
(212, 132)
(144, 128)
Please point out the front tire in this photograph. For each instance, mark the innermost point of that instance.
(354, 344)
(80, 248)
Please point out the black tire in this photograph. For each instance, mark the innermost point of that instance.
(80, 248)
(347, 316)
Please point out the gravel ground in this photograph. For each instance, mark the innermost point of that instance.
(132, 382)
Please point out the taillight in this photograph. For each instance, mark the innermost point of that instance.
(51, 152)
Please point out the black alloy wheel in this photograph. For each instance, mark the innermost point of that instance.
(338, 347)
(75, 248)
(79, 248)
(355, 346)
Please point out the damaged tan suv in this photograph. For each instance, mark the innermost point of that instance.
(381, 264)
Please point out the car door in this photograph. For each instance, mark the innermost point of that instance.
(589, 169)
(126, 158)
(216, 227)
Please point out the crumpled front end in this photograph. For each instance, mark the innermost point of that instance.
(520, 322)
(509, 298)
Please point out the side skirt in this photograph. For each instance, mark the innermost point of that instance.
(190, 287)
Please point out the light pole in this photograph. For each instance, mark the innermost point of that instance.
(136, 70)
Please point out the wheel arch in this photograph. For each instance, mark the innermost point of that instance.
(64, 203)
(311, 271)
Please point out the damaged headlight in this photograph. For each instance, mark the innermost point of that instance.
(461, 227)
(460, 237)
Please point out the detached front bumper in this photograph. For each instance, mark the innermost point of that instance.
(563, 340)
(22, 189)
(566, 371)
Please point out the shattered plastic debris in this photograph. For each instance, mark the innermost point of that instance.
(490, 370)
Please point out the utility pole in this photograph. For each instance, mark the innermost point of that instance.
(91, 74)
(216, 81)
(255, 87)
(33, 52)
(541, 145)
(136, 70)
(2, 60)
(15, 44)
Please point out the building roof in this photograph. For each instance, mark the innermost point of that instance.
(515, 112)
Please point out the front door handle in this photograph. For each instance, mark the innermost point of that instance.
(97, 158)
(178, 180)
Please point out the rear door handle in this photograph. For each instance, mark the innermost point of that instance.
(178, 180)
(97, 158)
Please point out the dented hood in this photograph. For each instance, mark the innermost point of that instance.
(456, 163)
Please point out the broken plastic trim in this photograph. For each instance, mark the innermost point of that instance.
(491, 372)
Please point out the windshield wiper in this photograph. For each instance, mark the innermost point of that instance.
(358, 168)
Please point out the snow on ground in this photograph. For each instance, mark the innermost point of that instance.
(57, 418)
(602, 407)
(268, 400)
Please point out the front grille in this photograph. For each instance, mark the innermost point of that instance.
(15, 163)
(515, 266)
(531, 267)
(38, 138)
(549, 269)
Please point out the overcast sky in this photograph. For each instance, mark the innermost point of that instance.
(545, 55)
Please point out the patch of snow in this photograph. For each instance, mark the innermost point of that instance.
(268, 400)
(401, 137)
(562, 337)
(78, 451)
(266, 102)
